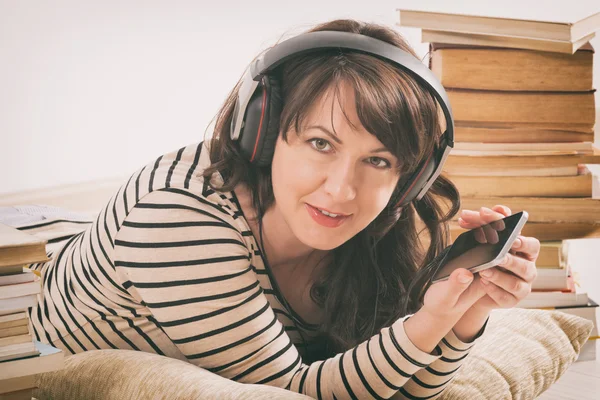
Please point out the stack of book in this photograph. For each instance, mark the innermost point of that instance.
(522, 97)
(21, 357)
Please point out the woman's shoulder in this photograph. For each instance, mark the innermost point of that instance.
(181, 169)
(179, 175)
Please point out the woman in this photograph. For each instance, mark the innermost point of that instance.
(303, 274)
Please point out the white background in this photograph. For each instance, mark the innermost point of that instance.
(94, 89)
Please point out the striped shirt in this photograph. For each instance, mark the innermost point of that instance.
(170, 266)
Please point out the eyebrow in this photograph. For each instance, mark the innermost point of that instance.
(338, 140)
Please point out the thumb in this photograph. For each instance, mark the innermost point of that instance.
(460, 280)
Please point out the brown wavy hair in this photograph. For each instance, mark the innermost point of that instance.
(382, 273)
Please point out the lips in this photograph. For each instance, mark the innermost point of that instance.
(329, 211)
(325, 220)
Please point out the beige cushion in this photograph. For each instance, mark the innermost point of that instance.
(128, 375)
(521, 354)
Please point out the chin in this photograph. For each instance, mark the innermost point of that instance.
(322, 240)
(325, 246)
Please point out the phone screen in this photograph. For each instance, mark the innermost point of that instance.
(479, 246)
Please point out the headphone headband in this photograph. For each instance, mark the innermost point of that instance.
(312, 41)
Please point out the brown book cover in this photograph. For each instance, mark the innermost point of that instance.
(526, 165)
(523, 107)
(16, 339)
(541, 148)
(551, 254)
(20, 248)
(439, 46)
(522, 133)
(488, 68)
(14, 331)
(524, 186)
(18, 384)
(15, 322)
(13, 317)
(25, 394)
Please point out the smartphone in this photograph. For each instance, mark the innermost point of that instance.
(481, 248)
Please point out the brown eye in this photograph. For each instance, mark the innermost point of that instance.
(320, 144)
(379, 162)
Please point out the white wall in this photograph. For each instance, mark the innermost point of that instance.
(92, 90)
(96, 89)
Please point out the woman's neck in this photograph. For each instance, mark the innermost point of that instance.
(293, 265)
(281, 246)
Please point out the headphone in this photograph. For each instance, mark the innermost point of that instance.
(256, 116)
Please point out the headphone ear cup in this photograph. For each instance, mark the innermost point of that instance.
(270, 127)
(261, 123)
(410, 188)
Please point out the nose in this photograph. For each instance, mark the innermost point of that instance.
(340, 182)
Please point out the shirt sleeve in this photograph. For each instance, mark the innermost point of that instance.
(431, 381)
(183, 258)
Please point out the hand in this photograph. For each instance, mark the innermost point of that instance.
(510, 281)
(452, 297)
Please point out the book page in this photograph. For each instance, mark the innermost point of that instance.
(514, 9)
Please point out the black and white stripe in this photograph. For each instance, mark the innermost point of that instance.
(170, 266)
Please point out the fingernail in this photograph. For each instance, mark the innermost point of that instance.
(487, 211)
(464, 278)
(487, 273)
(485, 282)
(518, 243)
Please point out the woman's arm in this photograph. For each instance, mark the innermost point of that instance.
(426, 331)
(471, 325)
(431, 381)
(184, 259)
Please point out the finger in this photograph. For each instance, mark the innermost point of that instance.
(521, 267)
(479, 235)
(510, 283)
(471, 217)
(517, 243)
(528, 246)
(503, 298)
(491, 234)
(466, 225)
(481, 217)
(499, 225)
(471, 294)
(488, 215)
(476, 218)
(502, 210)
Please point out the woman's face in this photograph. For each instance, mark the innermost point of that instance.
(350, 174)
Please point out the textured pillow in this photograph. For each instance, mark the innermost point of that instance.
(520, 355)
(128, 375)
